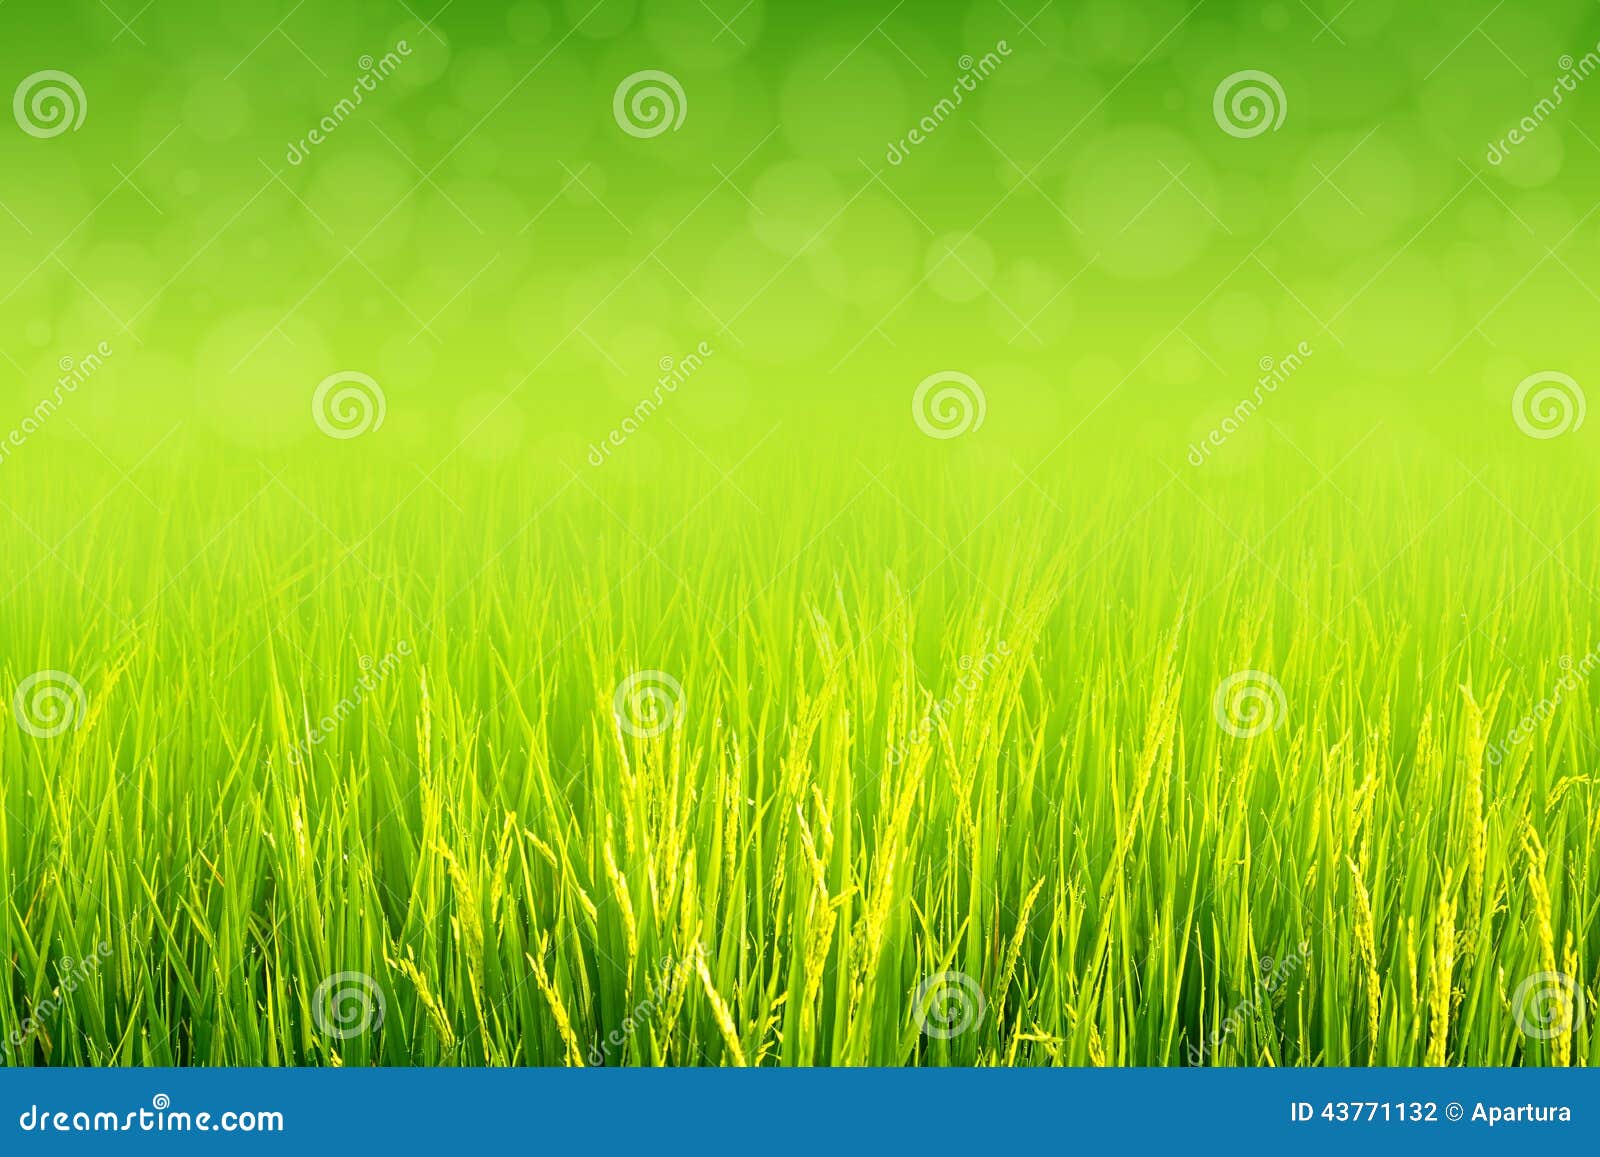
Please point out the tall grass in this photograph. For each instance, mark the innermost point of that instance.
(773, 876)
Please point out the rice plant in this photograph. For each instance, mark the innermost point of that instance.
(902, 762)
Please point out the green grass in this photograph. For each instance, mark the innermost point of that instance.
(760, 881)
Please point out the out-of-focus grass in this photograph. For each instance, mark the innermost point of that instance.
(774, 875)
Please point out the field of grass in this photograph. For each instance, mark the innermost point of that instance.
(932, 757)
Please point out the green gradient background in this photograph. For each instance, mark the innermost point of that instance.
(1080, 237)
(1414, 269)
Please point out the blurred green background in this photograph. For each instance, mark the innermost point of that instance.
(1079, 235)
(648, 404)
